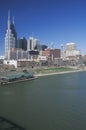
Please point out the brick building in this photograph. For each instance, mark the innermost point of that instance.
(55, 53)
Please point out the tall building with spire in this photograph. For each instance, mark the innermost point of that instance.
(10, 38)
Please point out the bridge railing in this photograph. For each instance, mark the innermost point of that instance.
(6, 124)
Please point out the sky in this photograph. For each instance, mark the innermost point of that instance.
(51, 21)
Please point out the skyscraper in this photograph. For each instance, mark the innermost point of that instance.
(33, 44)
(22, 43)
(10, 38)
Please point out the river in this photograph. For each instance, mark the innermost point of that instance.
(55, 102)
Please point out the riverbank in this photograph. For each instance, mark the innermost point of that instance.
(56, 73)
(45, 71)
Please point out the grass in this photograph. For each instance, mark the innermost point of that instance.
(53, 70)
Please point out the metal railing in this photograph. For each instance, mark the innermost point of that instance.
(6, 124)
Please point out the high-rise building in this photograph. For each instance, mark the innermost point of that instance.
(10, 38)
(22, 43)
(71, 50)
(71, 46)
(33, 44)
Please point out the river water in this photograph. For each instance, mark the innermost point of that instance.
(55, 102)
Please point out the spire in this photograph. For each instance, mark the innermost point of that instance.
(8, 14)
(9, 19)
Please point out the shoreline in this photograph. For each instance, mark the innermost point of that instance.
(57, 73)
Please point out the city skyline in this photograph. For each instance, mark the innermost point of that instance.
(57, 21)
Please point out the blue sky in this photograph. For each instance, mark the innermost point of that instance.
(57, 21)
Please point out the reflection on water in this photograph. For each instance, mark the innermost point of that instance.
(55, 102)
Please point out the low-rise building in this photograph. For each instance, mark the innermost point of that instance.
(53, 53)
(10, 62)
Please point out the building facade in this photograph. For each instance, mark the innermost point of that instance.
(16, 54)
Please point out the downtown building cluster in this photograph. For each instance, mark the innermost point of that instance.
(15, 47)
(29, 52)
